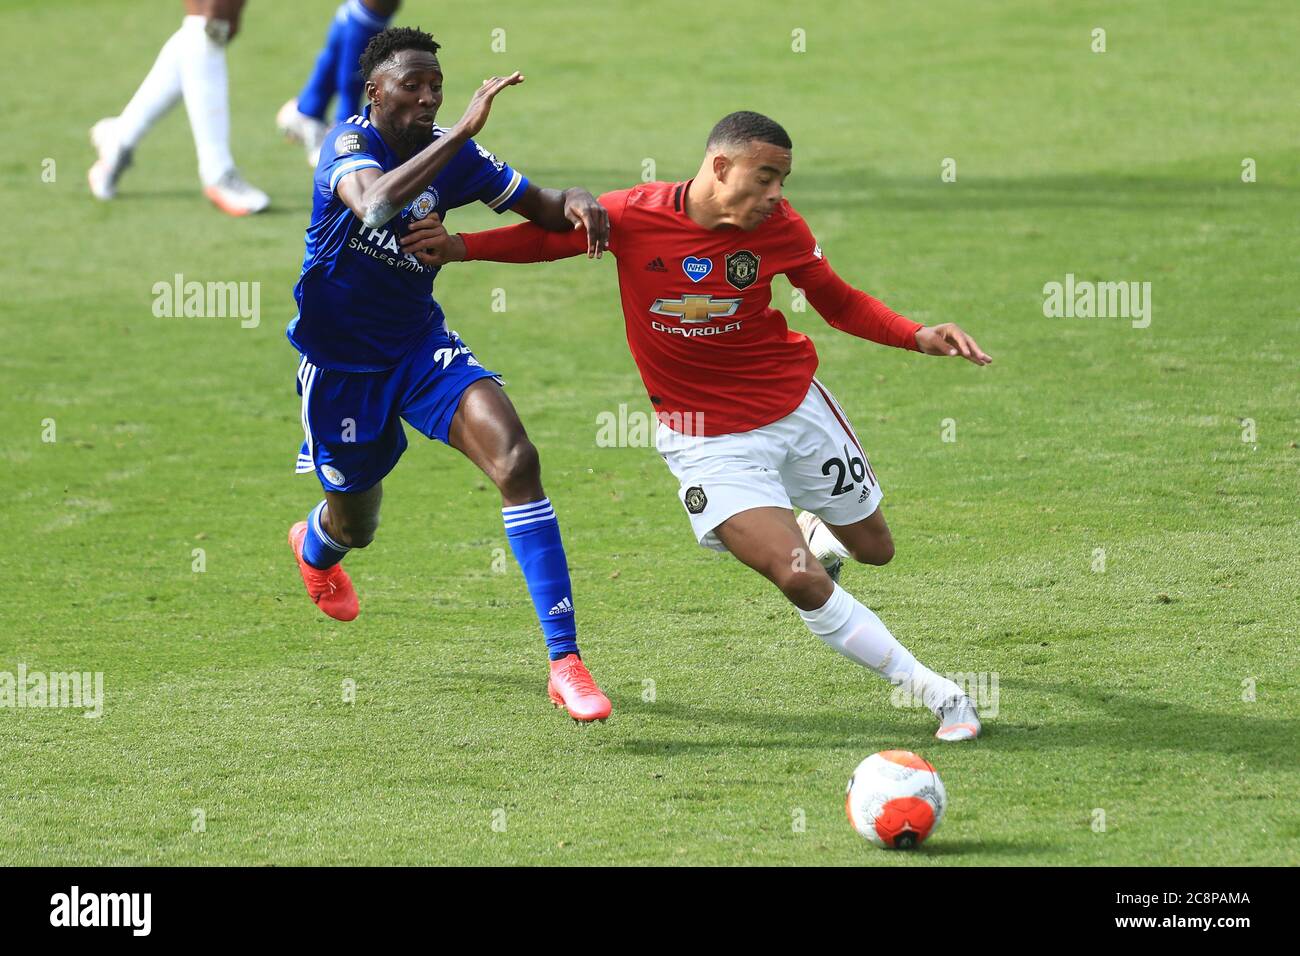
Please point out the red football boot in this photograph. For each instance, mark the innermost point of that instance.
(331, 589)
(572, 687)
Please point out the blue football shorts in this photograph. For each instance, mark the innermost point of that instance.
(352, 421)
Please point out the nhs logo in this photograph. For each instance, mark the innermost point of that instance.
(696, 269)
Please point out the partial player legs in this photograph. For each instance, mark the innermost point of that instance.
(192, 66)
(770, 541)
(366, 18)
(319, 553)
(487, 430)
(334, 527)
(351, 518)
(867, 541)
(114, 138)
(355, 23)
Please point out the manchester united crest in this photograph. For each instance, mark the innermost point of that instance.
(695, 499)
(742, 269)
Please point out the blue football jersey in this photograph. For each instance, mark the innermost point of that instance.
(362, 301)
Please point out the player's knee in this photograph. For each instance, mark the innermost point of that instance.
(807, 587)
(879, 550)
(519, 469)
(358, 533)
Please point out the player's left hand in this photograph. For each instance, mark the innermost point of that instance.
(581, 209)
(949, 339)
(427, 240)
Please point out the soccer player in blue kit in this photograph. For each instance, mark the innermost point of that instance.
(375, 347)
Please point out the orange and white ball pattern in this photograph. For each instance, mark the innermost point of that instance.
(895, 799)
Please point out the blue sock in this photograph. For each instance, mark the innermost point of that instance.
(337, 68)
(318, 92)
(363, 24)
(534, 536)
(318, 548)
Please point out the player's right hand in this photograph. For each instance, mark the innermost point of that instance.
(949, 339)
(480, 104)
(430, 243)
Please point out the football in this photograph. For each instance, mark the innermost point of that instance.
(895, 799)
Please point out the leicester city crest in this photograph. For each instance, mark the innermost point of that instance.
(742, 269)
(424, 204)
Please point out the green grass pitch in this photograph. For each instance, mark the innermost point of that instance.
(1113, 532)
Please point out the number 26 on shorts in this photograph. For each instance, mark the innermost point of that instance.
(856, 468)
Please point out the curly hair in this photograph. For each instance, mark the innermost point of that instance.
(387, 43)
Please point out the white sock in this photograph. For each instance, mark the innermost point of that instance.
(824, 544)
(157, 94)
(854, 630)
(203, 82)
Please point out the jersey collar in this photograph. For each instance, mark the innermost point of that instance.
(679, 199)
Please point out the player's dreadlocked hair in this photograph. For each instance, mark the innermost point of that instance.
(738, 129)
(393, 40)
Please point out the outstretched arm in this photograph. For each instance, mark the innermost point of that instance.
(569, 209)
(852, 310)
(432, 245)
(376, 197)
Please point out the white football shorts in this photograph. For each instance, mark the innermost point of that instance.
(810, 459)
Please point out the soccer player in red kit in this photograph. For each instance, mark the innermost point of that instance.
(744, 426)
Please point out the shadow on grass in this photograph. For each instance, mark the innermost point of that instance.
(278, 207)
(1120, 722)
(995, 848)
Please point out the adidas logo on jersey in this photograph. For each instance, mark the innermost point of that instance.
(656, 265)
(564, 607)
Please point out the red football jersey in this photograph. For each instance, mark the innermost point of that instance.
(714, 355)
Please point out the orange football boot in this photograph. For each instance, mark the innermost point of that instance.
(572, 687)
(331, 589)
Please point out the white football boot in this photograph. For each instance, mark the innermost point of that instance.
(833, 563)
(958, 719)
(113, 159)
(306, 130)
(233, 195)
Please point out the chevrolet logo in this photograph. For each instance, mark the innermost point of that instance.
(695, 308)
